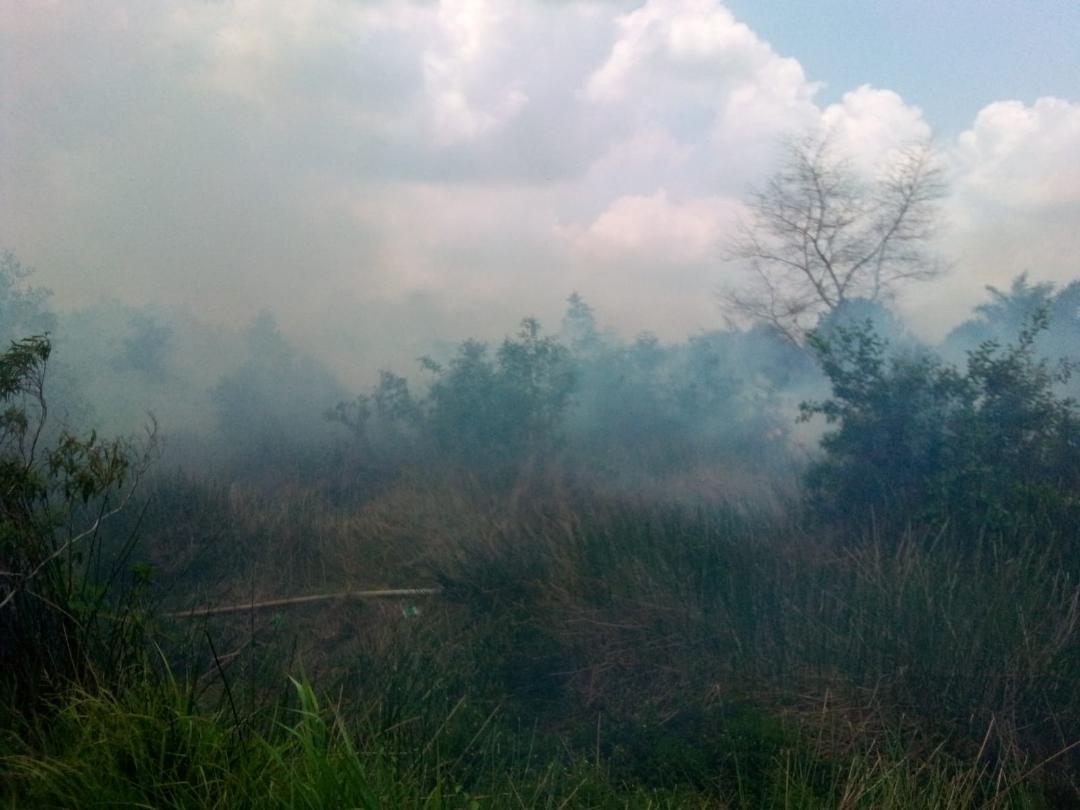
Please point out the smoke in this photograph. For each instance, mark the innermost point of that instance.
(385, 176)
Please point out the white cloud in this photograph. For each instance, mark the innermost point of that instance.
(690, 66)
(870, 124)
(1022, 156)
(1014, 206)
(656, 229)
(475, 153)
(695, 45)
(469, 45)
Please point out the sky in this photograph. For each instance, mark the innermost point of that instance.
(380, 174)
(950, 59)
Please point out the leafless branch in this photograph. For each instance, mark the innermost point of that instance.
(820, 234)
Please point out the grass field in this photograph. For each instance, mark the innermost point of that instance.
(590, 648)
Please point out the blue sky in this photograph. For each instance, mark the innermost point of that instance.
(949, 57)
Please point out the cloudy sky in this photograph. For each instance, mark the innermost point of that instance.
(368, 170)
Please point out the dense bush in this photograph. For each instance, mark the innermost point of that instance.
(992, 446)
(590, 647)
(480, 410)
(627, 409)
(488, 410)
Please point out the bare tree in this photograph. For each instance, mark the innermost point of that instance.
(819, 234)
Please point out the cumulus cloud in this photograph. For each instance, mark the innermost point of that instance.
(711, 81)
(657, 229)
(1022, 156)
(870, 125)
(473, 158)
(1014, 205)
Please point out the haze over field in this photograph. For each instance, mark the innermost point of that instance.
(540, 403)
(382, 174)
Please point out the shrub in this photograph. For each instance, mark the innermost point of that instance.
(990, 447)
(60, 617)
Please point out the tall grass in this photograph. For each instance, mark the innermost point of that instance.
(589, 650)
(149, 748)
(635, 608)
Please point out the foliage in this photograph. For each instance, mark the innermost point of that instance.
(628, 408)
(854, 312)
(56, 489)
(23, 310)
(480, 410)
(155, 747)
(507, 407)
(597, 652)
(1007, 312)
(146, 349)
(579, 326)
(263, 407)
(648, 408)
(992, 446)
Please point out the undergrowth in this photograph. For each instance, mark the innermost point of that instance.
(587, 650)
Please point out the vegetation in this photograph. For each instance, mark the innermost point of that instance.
(820, 235)
(478, 410)
(625, 618)
(990, 449)
(62, 617)
(609, 654)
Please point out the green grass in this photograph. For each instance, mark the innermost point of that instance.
(589, 651)
(151, 749)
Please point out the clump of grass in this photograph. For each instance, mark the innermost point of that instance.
(602, 651)
(634, 609)
(153, 748)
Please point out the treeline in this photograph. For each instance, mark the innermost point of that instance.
(905, 632)
(582, 393)
(918, 423)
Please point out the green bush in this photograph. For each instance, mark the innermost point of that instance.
(61, 617)
(992, 447)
